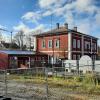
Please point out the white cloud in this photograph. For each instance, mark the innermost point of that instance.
(64, 9)
(71, 9)
(45, 3)
(47, 13)
(21, 27)
(97, 18)
(87, 26)
(49, 3)
(40, 27)
(32, 17)
(84, 28)
(6, 37)
(69, 18)
(28, 31)
(82, 5)
(37, 30)
(1, 26)
(85, 6)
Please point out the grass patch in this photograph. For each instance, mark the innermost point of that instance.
(87, 84)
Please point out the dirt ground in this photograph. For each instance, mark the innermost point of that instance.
(29, 91)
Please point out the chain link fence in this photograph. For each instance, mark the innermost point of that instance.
(43, 83)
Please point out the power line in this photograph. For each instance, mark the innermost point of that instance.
(11, 35)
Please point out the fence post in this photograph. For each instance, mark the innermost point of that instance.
(93, 65)
(77, 67)
(65, 73)
(6, 88)
(46, 80)
(70, 67)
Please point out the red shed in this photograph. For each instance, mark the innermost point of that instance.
(20, 59)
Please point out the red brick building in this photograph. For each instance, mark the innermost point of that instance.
(65, 43)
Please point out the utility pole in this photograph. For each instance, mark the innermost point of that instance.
(52, 47)
(5, 30)
(11, 40)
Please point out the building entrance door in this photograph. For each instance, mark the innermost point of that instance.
(23, 62)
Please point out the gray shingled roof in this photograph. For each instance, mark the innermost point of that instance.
(17, 52)
(61, 30)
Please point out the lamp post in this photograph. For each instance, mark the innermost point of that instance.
(11, 40)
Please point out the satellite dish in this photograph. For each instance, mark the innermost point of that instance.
(85, 63)
(85, 58)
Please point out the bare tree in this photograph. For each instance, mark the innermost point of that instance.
(29, 41)
(1, 40)
(19, 39)
(1, 37)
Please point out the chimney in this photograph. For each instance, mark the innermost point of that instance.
(66, 25)
(57, 25)
(75, 28)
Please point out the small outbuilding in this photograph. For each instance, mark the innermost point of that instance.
(10, 59)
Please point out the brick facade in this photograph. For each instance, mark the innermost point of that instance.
(72, 44)
(60, 51)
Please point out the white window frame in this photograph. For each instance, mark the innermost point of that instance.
(87, 43)
(49, 43)
(74, 56)
(49, 59)
(95, 46)
(57, 43)
(74, 43)
(78, 44)
(43, 44)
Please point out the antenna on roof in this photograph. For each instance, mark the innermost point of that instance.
(51, 21)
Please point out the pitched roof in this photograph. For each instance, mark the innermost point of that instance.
(17, 52)
(53, 31)
(21, 53)
(61, 30)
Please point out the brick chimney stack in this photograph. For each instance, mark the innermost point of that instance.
(57, 25)
(75, 28)
(66, 25)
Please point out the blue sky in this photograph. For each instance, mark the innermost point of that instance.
(13, 10)
(35, 15)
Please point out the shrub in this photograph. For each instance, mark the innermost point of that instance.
(78, 79)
